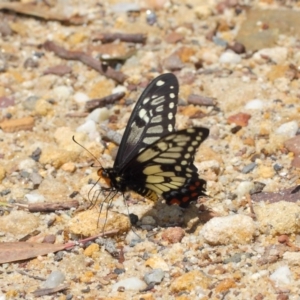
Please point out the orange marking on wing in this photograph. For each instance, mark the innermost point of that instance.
(185, 199)
(175, 201)
(192, 187)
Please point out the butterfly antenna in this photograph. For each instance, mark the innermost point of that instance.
(74, 140)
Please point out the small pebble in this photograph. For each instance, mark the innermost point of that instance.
(155, 276)
(88, 127)
(124, 7)
(255, 104)
(54, 280)
(31, 63)
(151, 17)
(34, 197)
(276, 54)
(240, 119)
(173, 234)
(99, 115)
(288, 129)
(133, 284)
(257, 188)
(244, 188)
(281, 276)
(229, 57)
(148, 220)
(27, 164)
(62, 92)
(250, 167)
(80, 97)
(233, 229)
(277, 167)
(36, 178)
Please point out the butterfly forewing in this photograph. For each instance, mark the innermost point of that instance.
(166, 168)
(152, 118)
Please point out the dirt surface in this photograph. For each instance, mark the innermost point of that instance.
(237, 63)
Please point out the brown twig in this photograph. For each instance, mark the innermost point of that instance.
(102, 102)
(48, 291)
(138, 38)
(49, 207)
(86, 59)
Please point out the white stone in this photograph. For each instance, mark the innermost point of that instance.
(88, 127)
(277, 218)
(27, 164)
(54, 280)
(62, 92)
(34, 197)
(119, 89)
(133, 284)
(288, 129)
(80, 97)
(229, 57)
(276, 54)
(235, 229)
(243, 188)
(281, 276)
(99, 115)
(293, 258)
(255, 104)
(148, 220)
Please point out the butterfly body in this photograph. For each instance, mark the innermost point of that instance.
(153, 159)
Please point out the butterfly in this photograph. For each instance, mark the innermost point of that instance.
(153, 159)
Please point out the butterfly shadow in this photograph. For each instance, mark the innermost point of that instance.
(189, 218)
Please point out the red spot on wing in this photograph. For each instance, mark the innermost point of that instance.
(175, 201)
(186, 198)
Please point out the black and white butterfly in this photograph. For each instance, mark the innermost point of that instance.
(153, 159)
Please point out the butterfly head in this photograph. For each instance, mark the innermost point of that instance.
(104, 175)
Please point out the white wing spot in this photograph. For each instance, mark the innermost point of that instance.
(153, 170)
(170, 128)
(143, 115)
(160, 83)
(159, 108)
(158, 100)
(183, 162)
(190, 130)
(170, 155)
(170, 116)
(155, 129)
(146, 100)
(190, 149)
(178, 168)
(171, 105)
(155, 179)
(194, 143)
(187, 156)
(149, 140)
(156, 119)
(170, 137)
(165, 160)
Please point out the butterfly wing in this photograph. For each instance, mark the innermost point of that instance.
(166, 168)
(152, 118)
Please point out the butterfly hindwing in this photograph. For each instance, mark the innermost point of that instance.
(166, 168)
(152, 118)
(153, 159)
